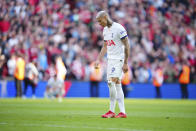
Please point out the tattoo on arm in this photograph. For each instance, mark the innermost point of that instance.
(127, 47)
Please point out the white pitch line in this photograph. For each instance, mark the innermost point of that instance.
(3, 123)
(65, 126)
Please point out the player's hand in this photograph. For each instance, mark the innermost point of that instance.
(125, 68)
(96, 64)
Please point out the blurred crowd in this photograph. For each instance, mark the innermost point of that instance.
(161, 32)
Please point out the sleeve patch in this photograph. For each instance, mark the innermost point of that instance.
(122, 32)
(123, 37)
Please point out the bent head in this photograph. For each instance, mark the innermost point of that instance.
(102, 18)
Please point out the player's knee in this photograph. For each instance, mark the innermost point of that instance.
(113, 79)
(118, 81)
(109, 83)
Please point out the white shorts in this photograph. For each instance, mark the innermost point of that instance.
(114, 68)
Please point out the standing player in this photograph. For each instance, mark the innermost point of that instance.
(117, 47)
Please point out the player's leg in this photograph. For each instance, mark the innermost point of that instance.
(113, 93)
(49, 93)
(120, 99)
(46, 92)
(112, 89)
(61, 92)
(120, 95)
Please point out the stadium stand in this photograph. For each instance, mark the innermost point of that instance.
(160, 32)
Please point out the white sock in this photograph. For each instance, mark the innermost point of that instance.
(113, 94)
(120, 98)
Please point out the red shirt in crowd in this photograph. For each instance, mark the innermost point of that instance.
(4, 26)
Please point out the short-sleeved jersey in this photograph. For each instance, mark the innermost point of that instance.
(112, 36)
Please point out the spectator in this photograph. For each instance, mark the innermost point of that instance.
(4, 24)
(143, 74)
(184, 79)
(158, 29)
(11, 65)
(19, 74)
(3, 81)
(31, 78)
(60, 68)
(2, 61)
(95, 78)
(42, 63)
(126, 80)
(158, 80)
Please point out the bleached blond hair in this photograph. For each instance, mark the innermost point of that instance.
(101, 14)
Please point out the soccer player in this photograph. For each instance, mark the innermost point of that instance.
(117, 47)
(55, 87)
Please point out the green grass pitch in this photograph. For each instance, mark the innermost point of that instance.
(84, 114)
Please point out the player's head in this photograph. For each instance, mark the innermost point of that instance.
(103, 18)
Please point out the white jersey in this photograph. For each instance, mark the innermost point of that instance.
(112, 36)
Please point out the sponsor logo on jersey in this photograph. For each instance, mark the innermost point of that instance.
(110, 42)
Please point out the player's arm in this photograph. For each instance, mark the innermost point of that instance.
(125, 41)
(101, 54)
(103, 51)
